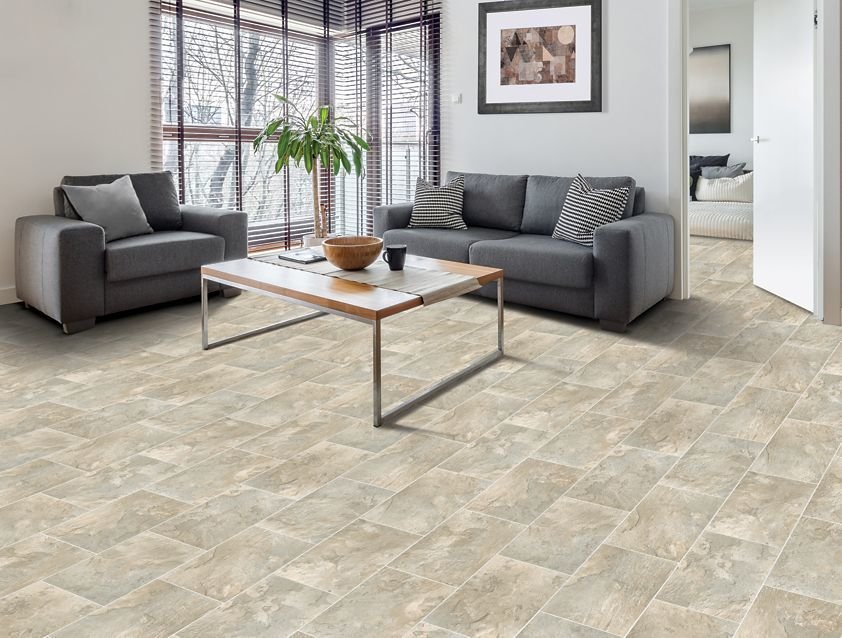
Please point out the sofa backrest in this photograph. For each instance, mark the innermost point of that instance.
(493, 201)
(156, 191)
(545, 197)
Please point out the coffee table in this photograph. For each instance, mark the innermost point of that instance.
(360, 302)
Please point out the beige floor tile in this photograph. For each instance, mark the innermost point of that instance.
(44, 415)
(558, 408)
(729, 319)
(117, 390)
(222, 517)
(274, 607)
(613, 366)
(404, 462)
(123, 568)
(110, 448)
(31, 478)
(666, 523)
(340, 563)
(210, 478)
(784, 312)
(309, 470)
(236, 564)
(31, 515)
(623, 478)
(800, 451)
(34, 445)
(360, 434)
(673, 427)
(452, 552)
(809, 563)
(686, 355)
(201, 444)
(755, 414)
(719, 576)
(791, 369)
(565, 535)
(587, 440)
(814, 334)
(33, 559)
(584, 346)
(827, 501)
(118, 521)
(198, 385)
(476, 416)
(822, 402)
(479, 607)
(495, 453)
(638, 397)
(427, 502)
(714, 465)
(40, 609)
(781, 614)
(298, 434)
(159, 608)
(388, 604)
(525, 492)
(611, 590)
(757, 342)
(327, 510)
(548, 626)
(662, 620)
(718, 381)
(426, 630)
(832, 366)
(528, 383)
(204, 411)
(96, 423)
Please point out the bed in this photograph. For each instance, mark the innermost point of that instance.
(727, 220)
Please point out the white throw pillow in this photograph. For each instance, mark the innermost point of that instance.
(726, 189)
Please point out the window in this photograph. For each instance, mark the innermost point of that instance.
(223, 61)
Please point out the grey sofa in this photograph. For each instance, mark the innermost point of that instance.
(510, 221)
(65, 269)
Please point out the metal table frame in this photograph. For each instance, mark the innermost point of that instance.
(378, 415)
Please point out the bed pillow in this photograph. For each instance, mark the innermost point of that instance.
(698, 162)
(113, 206)
(726, 189)
(715, 172)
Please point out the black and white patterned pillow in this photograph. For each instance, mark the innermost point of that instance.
(586, 209)
(438, 207)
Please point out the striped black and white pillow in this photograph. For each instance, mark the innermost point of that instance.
(586, 209)
(438, 207)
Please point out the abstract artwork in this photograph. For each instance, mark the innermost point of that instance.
(540, 56)
(709, 89)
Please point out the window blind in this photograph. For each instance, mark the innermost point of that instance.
(218, 65)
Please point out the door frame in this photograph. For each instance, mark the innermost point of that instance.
(828, 133)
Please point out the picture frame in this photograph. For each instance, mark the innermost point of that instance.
(709, 90)
(549, 56)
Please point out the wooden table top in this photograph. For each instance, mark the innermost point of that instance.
(332, 293)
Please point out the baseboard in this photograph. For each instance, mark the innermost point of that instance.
(7, 296)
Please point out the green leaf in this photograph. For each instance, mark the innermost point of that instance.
(324, 114)
(308, 162)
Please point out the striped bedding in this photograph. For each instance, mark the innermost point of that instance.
(728, 220)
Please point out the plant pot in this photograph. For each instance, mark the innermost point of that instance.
(311, 241)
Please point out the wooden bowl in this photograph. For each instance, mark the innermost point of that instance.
(352, 253)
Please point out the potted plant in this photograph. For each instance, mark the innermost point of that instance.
(319, 141)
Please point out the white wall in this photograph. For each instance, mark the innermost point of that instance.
(732, 25)
(630, 136)
(75, 100)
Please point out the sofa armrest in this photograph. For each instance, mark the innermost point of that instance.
(391, 217)
(634, 261)
(60, 267)
(231, 225)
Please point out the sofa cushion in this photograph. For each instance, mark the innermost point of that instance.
(113, 206)
(156, 191)
(545, 198)
(538, 259)
(452, 245)
(493, 201)
(161, 253)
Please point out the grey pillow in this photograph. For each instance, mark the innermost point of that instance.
(113, 206)
(717, 172)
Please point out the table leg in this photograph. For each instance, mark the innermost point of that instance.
(204, 314)
(377, 379)
(500, 321)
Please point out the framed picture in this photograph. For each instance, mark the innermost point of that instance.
(709, 89)
(540, 56)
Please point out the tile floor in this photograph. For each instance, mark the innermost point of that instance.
(683, 480)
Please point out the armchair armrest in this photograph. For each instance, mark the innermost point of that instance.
(391, 217)
(634, 262)
(60, 267)
(231, 225)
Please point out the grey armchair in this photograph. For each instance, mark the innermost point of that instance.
(65, 269)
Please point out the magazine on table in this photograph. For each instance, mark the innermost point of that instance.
(302, 256)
